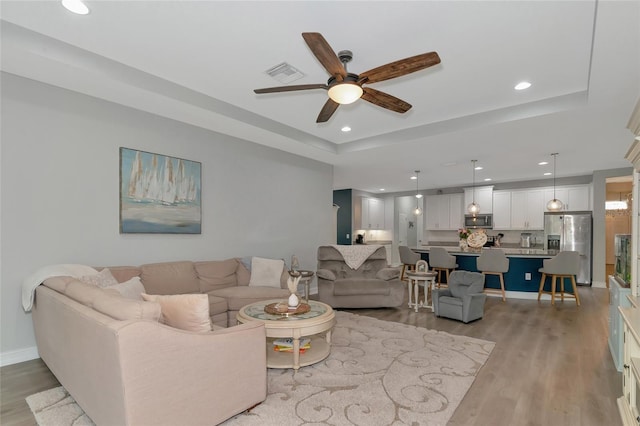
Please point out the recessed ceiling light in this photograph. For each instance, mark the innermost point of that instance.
(381, 189)
(522, 85)
(487, 179)
(346, 129)
(543, 163)
(548, 174)
(479, 168)
(76, 6)
(414, 177)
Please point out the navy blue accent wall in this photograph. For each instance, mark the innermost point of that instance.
(343, 198)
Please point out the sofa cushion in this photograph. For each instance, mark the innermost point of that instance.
(184, 311)
(217, 305)
(104, 301)
(124, 273)
(388, 274)
(240, 296)
(170, 278)
(104, 278)
(217, 274)
(131, 289)
(243, 274)
(360, 286)
(266, 272)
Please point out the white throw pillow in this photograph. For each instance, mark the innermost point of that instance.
(131, 289)
(184, 311)
(266, 272)
(102, 279)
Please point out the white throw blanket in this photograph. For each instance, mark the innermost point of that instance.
(354, 256)
(30, 283)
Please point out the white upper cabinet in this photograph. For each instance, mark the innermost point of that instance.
(527, 209)
(371, 214)
(574, 198)
(456, 211)
(483, 197)
(443, 212)
(502, 210)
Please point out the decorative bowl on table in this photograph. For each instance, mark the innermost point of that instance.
(282, 308)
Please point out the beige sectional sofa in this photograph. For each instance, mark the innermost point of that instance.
(125, 367)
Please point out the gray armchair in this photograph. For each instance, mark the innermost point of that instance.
(372, 285)
(463, 300)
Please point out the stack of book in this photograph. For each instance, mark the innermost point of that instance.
(286, 345)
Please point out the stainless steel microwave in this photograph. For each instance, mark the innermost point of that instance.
(478, 221)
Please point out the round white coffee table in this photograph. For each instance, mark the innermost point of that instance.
(315, 324)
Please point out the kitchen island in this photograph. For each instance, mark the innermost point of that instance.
(521, 281)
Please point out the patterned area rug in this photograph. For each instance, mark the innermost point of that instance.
(378, 373)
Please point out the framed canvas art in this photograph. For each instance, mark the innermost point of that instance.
(159, 194)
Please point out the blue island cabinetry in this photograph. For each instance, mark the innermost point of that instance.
(523, 275)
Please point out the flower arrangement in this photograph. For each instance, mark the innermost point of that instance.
(463, 233)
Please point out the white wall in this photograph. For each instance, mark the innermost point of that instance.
(60, 192)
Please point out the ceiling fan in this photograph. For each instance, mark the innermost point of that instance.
(345, 87)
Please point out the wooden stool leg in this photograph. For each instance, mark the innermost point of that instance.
(562, 277)
(575, 289)
(504, 299)
(542, 280)
(553, 289)
(404, 266)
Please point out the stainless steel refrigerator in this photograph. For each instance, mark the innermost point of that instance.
(571, 231)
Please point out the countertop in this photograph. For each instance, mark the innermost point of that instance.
(509, 251)
(632, 317)
(375, 243)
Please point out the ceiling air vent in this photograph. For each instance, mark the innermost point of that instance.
(284, 73)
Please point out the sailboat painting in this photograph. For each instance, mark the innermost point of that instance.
(159, 194)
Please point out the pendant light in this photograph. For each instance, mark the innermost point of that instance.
(418, 210)
(474, 208)
(554, 205)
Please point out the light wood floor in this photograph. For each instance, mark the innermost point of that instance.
(551, 366)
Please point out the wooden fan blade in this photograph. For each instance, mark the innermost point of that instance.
(291, 88)
(324, 53)
(400, 68)
(385, 100)
(327, 110)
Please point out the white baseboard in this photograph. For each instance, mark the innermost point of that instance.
(21, 355)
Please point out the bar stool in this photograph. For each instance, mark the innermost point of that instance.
(566, 264)
(408, 258)
(441, 261)
(493, 262)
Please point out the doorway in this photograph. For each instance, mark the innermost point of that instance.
(407, 227)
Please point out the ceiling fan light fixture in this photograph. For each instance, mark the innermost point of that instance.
(345, 93)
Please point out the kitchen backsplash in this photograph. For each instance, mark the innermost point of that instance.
(510, 238)
(375, 235)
